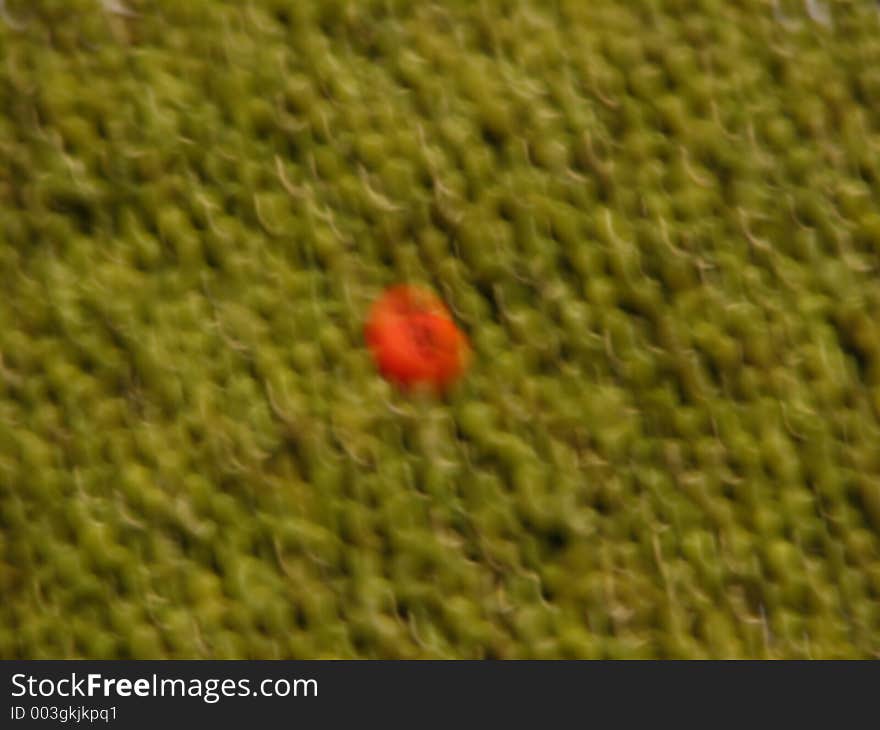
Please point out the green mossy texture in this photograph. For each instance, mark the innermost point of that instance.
(657, 221)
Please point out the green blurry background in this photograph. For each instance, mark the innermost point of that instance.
(657, 221)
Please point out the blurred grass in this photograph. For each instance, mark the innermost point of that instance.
(657, 221)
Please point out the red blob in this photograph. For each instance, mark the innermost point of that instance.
(414, 340)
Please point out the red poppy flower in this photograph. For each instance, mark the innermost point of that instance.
(414, 341)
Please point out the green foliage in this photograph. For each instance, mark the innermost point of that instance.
(655, 219)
